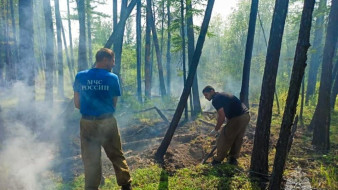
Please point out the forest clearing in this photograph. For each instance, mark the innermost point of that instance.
(168, 94)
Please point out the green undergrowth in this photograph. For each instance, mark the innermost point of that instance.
(199, 177)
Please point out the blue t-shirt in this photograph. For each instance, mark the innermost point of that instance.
(96, 88)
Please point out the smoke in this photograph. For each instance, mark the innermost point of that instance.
(29, 146)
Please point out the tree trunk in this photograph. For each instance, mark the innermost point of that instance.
(191, 48)
(82, 54)
(89, 29)
(15, 45)
(147, 66)
(183, 56)
(187, 87)
(59, 43)
(317, 46)
(244, 95)
(70, 38)
(138, 50)
(293, 94)
(118, 43)
(302, 104)
(157, 49)
(321, 118)
(120, 25)
(259, 158)
(2, 39)
(168, 50)
(26, 71)
(49, 51)
(114, 14)
(70, 68)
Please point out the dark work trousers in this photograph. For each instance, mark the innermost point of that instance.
(94, 134)
(231, 137)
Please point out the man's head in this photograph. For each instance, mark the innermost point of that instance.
(105, 59)
(208, 92)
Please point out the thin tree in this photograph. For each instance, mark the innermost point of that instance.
(321, 118)
(49, 51)
(15, 45)
(183, 55)
(59, 50)
(70, 37)
(147, 65)
(89, 29)
(244, 94)
(82, 54)
(26, 47)
(168, 49)
(187, 87)
(293, 94)
(157, 49)
(259, 158)
(69, 62)
(114, 14)
(335, 86)
(2, 48)
(317, 47)
(138, 50)
(191, 48)
(119, 43)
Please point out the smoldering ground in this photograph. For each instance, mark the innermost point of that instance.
(31, 140)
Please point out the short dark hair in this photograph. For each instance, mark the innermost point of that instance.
(208, 89)
(104, 53)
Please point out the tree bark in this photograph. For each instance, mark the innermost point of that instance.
(26, 71)
(82, 54)
(293, 94)
(70, 68)
(321, 118)
(244, 94)
(147, 65)
(114, 14)
(259, 158)
(183, 55)
(70, 38)
(15, 45)
(187, 87)
(168, 50)
(119, 42)
(191, 48)
(89, 29)
(317, 46)
(157, 49)
(49, 51)
(59, 43)
(138, 50)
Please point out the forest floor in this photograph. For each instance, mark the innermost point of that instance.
(142, 132)
(191, 143)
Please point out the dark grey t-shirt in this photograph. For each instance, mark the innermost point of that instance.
(231, 105)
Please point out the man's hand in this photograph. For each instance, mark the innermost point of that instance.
(214, 133)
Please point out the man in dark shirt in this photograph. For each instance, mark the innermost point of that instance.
(95, 94)
(231, 135)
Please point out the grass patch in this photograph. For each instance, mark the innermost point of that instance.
(199, 177)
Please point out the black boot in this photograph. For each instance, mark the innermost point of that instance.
(126, 187)
(233, 161)
(215, 162)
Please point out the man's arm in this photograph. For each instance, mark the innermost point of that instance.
(220, 119)
(114, 101)
(76, 100)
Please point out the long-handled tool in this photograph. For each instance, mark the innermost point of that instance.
(213, 149)
(209, 155)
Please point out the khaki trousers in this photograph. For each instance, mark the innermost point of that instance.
(97, 133)
(231, 137)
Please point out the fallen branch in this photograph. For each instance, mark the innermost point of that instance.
(207, 123)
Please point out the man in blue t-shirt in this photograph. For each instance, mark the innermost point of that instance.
(231, 135)
(95, 94)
